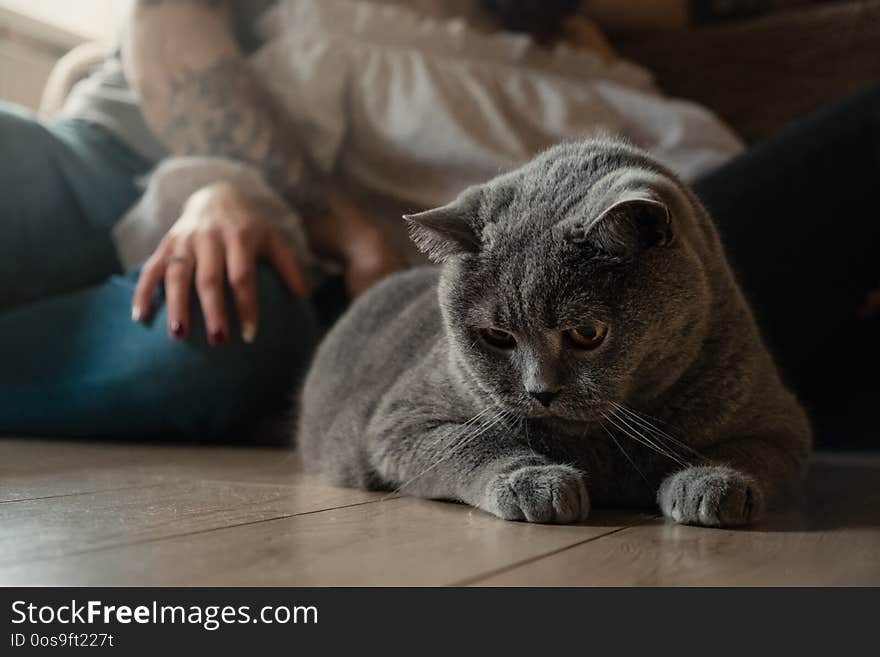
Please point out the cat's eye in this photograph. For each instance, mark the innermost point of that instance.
(588, 336)
(498, 338)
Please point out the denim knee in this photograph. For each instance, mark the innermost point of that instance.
(207, 392)
(25, 140)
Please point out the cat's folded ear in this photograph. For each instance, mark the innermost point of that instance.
(450, 230)
(631, 225)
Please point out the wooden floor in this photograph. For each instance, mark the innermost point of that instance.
(105, 514)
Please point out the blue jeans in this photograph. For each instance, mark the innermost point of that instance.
(72, 363)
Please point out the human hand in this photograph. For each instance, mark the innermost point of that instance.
(217, 241)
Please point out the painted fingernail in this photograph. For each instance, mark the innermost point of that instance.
(136, 314)
(248, 332)
(217, 338)
(177, 330)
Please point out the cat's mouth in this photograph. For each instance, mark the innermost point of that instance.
(584, 412)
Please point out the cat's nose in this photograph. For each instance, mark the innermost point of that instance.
(545, 397)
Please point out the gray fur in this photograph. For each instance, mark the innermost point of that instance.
(405, 393)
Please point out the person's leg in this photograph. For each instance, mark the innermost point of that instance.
(799, 218)
(62, 188)
(77, 366)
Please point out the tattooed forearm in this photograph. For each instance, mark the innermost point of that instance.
(201, 97)
(222, 110)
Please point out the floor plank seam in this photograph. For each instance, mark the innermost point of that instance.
(86, 492)
(468, 581)
(159, 539)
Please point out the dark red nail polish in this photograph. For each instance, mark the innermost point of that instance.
(177, 330)
(217, 338)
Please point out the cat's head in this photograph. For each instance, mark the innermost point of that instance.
(571, 282)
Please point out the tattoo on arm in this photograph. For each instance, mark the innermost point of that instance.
(223, 110)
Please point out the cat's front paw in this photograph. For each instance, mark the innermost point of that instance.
(539, 493)
(711, 496)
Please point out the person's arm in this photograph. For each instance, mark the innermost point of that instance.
(643, 16)
(627, 16)
(200, 96)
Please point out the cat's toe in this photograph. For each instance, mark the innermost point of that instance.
(711, 496)
(541, 493)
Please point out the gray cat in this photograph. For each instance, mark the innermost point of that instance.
(584, 342)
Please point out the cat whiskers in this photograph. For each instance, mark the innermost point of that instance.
(625, 453)
(643, 421)
(460, 443)
(633, 432)
(525, 430)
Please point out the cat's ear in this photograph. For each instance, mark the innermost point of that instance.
(631, 225)
(448, 230)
